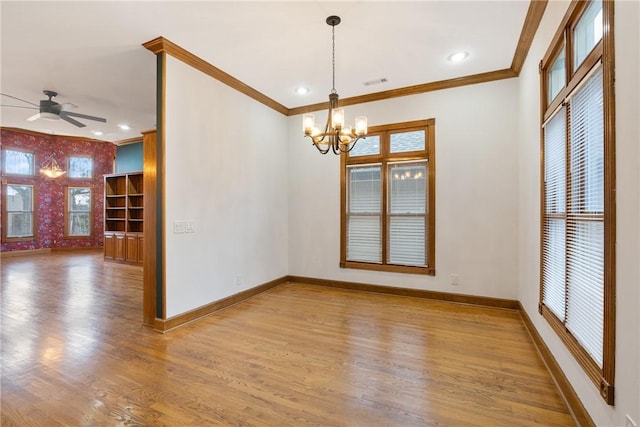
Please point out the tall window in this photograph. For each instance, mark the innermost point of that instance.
(577, 292)
(80, 167)
(17, 218)
(78, 212)
(17, 162)
(388, 200)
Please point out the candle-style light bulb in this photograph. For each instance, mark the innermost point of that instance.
(308, 123)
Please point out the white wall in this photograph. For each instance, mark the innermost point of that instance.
(226, 171)
(476, 192)
(627, 382)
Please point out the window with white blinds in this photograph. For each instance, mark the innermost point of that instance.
(364, 227)
(386, 200)
(573, 233)
(585, 231)
(554, 221)
(577, 294)
(407, 212)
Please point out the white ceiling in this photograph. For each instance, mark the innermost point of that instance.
(91, 54)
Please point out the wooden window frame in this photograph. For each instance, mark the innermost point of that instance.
(79, 177)
(67, 212)
(384, 158)
(603, 52)
(4, 162)
(5, 216)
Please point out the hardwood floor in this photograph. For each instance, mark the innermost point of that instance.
(74, 353)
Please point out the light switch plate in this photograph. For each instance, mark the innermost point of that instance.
(189, 227)
(179, 227)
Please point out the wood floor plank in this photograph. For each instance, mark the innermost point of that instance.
(74, 352)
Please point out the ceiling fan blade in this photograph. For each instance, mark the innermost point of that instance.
(36, 116)
(21, 100)
(67, 106)
(19, 106)
(74, 122)
(84, 116)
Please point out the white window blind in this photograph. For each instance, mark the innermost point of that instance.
(585, 222)
(553, 251)
(407, 209)
(364, 213)
(573, 223)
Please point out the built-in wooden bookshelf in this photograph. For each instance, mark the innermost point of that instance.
(124, 217)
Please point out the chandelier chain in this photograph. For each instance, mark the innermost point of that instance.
(333, 57)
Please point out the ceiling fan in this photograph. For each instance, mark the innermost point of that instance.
(51, 110)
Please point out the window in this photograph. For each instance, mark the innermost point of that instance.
(18, 215)
(78, 212)
(556, 75)
(388, 200)
(587, 32)
(80, 167)
(577, 292)
(17, 162)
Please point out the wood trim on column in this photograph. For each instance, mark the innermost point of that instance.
(149, 294)
(161, 288)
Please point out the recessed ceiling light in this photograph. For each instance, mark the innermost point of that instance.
(97, 132)
(302, 90)
(124, 126)
(458, 56)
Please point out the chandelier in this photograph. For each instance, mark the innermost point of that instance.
(51, 168)
(336, 136)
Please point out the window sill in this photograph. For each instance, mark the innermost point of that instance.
(18, 239)
(388, 267)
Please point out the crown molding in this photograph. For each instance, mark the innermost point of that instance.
(52, 135)
(161, 45)
(534, 15)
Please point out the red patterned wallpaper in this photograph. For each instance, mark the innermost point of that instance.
(49, 218)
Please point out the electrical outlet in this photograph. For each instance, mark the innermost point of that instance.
(238, 280)
(629, 422)
(189, 227)
(455, 279)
